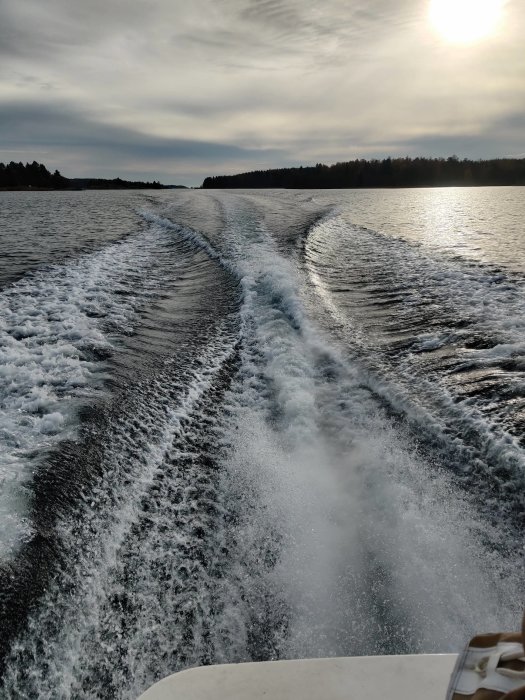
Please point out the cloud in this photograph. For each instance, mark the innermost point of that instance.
(60, 129)
(236, 83)
(36, 29)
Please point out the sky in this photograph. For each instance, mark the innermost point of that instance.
(175, 91)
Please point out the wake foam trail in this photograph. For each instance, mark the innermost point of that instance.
(255, 501)
(183, 232)
(133, 561)
(56, 325)
(370, 559)
(440, 341)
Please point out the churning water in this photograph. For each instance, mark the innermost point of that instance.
(255, 425)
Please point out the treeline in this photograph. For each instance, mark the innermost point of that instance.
(18, 175)
(36, 176)
(98, 183)
(390, 172)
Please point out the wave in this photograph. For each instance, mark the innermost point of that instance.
(439, 339)
(133, 509)
(255, 497)
(58, 325)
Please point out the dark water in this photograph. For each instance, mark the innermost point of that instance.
(255, 425)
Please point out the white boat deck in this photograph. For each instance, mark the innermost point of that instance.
(349, 678)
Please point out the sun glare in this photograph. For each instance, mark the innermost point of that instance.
(465, 21)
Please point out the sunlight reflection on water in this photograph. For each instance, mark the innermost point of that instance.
(485, 224)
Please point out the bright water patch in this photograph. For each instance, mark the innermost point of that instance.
(482, 224)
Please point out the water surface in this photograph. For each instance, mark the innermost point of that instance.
(256, 425)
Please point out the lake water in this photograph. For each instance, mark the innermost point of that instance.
(255, 425)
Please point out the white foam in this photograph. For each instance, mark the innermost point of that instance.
(51, 323)
(348, 494)
(372, 548)
(90, 633)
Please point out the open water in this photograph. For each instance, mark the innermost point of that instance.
(255, 425)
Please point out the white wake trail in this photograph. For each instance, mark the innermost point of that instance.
(55, 326)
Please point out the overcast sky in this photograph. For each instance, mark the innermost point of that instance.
(172, 90)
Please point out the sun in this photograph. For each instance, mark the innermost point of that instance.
(465, 21)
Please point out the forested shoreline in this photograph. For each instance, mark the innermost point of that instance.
(389, 172)
(31, 175)
(35, 176)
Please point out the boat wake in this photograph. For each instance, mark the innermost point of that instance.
(250, 489)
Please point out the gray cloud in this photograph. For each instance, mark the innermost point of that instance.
(225, 84)
(60, 129)
(38, 28)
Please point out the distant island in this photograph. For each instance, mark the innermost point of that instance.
(35, 176)
(389, 172)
